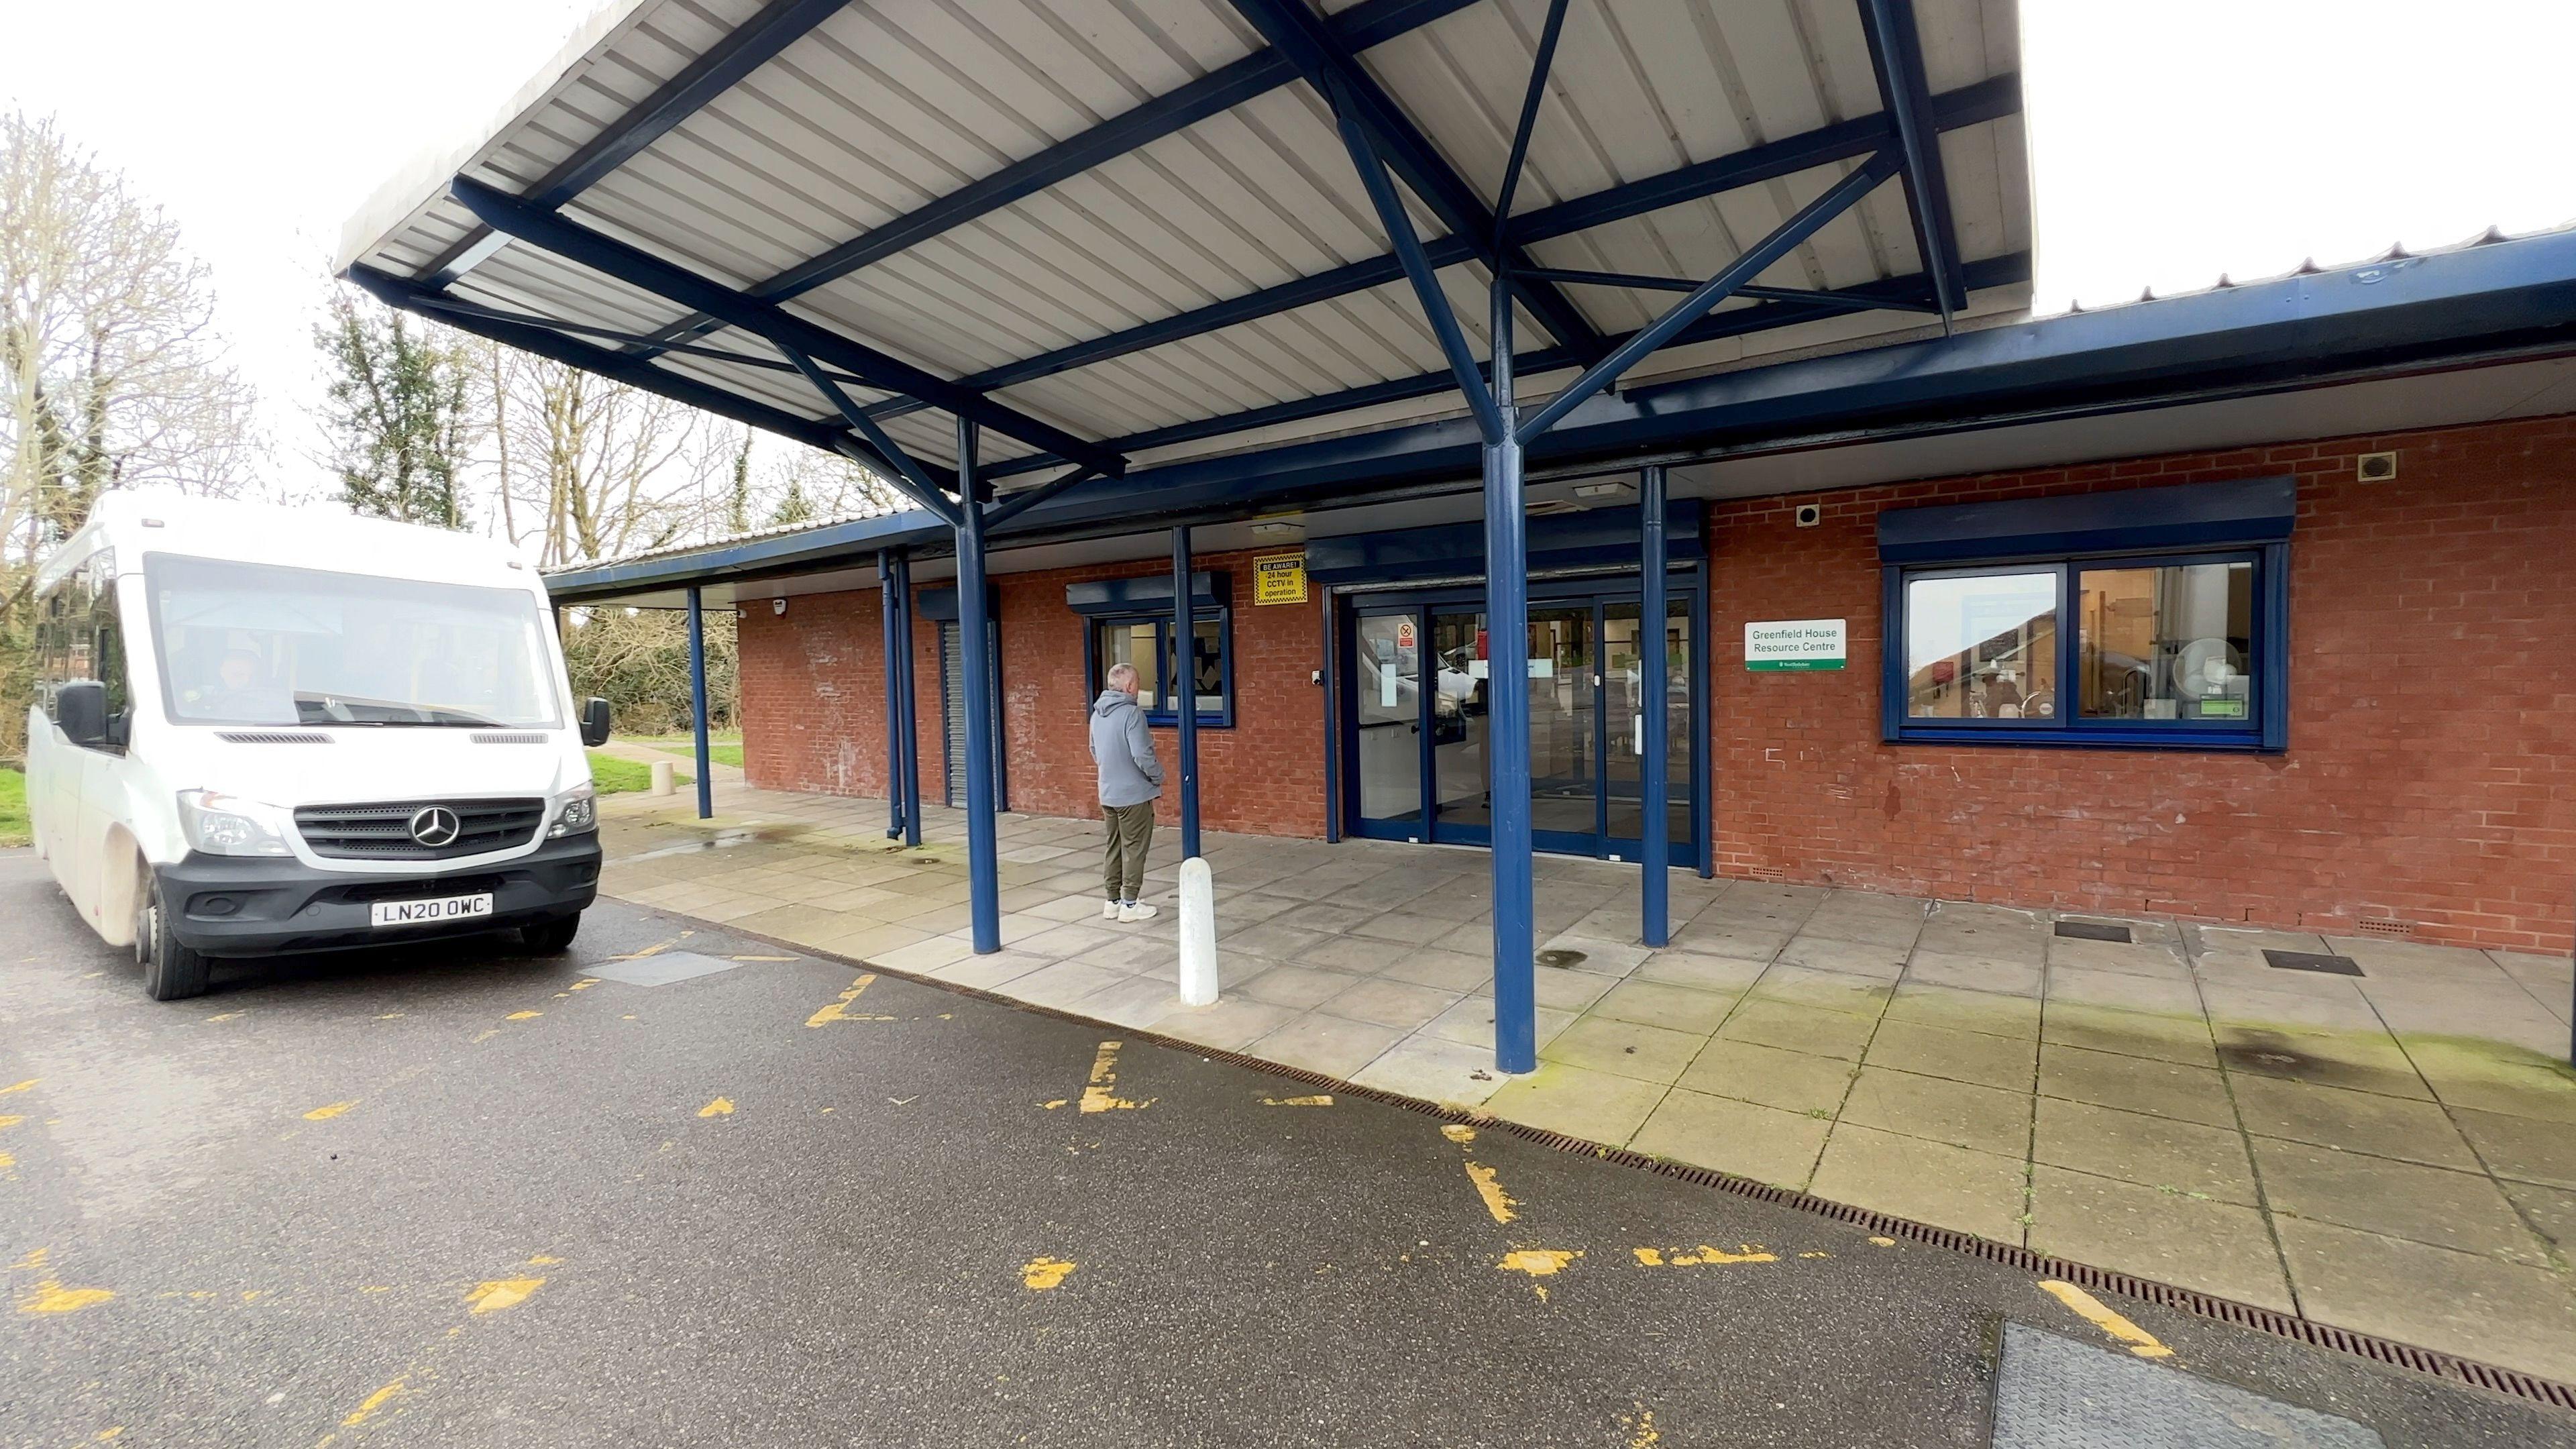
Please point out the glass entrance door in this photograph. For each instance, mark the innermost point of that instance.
(1386, 739)
(1416, 728)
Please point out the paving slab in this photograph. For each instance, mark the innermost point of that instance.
(2151, 1232)
(1656, 1003)
(2396, 1127)
(1961, 1056)
(1800, 1028)
(2464, 1211)
(1744, 1138)
(1579, 1102)
(1790, 1081)
(2164, 1153)
(1625, 1048)
(2501, 1312)
(1932, 1182)
(2137, 1084)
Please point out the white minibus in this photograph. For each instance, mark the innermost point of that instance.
(263, 730)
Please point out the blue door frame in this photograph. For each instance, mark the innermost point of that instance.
(1688, 584)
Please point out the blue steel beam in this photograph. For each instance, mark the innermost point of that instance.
(1373, 22)
(640, 269)
(1028, 498)
(975, 648)
(1896, 51)
(698, 703)
(891, 645)
(545, 341)
(1540, 63)
(1902, 293)
(907, 706)
(908, 474)
(1640, 282)
(1843, 141)
(1838, 198)
(746, 48)
(1417, 267)
(1185, 687)
(1295, 32)
(1507, 717)
(1654, 899)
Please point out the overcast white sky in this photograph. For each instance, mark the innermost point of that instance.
(2172, 139)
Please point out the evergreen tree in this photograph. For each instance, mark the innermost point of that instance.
(793, 506)
(396, 412)
(738, 502)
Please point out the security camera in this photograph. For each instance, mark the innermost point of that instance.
(1810, 514)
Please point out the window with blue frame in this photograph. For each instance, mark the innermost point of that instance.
(1990, 640)
(1146, 642)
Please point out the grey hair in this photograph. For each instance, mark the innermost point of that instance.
(1122, 677)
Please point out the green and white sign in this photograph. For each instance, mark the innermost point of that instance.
(1795, 644)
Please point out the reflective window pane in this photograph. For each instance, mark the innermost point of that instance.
(1982, 647)
(1128, 642)
(2171, 642)
(1209, 667)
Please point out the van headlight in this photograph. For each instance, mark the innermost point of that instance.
(221, 824)
(576, 810)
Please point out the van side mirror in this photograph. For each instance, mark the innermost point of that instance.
(80, 708)
(594, 722)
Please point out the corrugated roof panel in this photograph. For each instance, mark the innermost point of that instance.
(882, 108)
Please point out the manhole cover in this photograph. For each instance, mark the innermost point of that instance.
(2095, 931)
(659, 969)
(2055, 1393)
(2313, 961)
(1562, 958)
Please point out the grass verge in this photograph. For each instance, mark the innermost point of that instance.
(13, 808)
(610, 775)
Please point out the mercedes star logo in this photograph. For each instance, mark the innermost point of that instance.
(434, 826)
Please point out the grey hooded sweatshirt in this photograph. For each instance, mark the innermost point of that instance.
(1129, 773)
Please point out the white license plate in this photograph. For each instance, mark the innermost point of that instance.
(423, 913)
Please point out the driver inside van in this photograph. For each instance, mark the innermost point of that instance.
(242, 696)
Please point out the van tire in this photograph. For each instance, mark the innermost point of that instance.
(171, 972)
(548, 938)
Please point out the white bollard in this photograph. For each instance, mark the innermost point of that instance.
(1198, 933)
(662, 777)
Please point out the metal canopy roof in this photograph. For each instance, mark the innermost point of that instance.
(1120, 236)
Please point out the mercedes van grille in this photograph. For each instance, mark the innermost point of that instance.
(271, 737)
(384, 831)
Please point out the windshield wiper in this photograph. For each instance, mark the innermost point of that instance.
(413, 716)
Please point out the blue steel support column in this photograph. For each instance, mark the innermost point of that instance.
(1507, 717)
(1185, 686)
(1651, 748)
(909, 706)
(983, 901)
(698, 700)
(893, 646)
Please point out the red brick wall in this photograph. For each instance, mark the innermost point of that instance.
(813, 691)
(2431, 773)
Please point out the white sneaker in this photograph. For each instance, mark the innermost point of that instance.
(1137, 912)
(1109, 910)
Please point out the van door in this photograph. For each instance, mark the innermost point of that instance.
(93, 780)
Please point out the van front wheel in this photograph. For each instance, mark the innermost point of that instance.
(171, 972)
(549, 937)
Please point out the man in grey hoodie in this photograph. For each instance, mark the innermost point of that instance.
(1130, 779)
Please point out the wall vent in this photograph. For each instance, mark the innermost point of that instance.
(2369, 927)
(2376, 468)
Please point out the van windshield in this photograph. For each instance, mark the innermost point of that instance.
(243, 643)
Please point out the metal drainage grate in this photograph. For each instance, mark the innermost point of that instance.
(1562, 959)
(2096, 931)
(2312, 961)
(2055, 1393)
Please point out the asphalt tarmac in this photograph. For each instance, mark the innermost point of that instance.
(456, 1195)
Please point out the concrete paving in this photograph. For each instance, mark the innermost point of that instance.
(2175, 1106)
(457, 1196)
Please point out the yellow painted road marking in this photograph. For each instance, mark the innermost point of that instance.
(649, 950)
(367, 1407)
(104, 1435)
(327, 1112)
(1497, 1202)
(1745, 1253)
(1884, 1242)
(720, 1107)
(1642, 1433)
(523, 1016)
(1097, 1096)
(1058, 1102)
(1537, 1262)
(35, 1259)
(50, 1296)
(840, 1010)
(229, 1015)
(1040, 1274)
(6, 1160)
(2093, 1311)
(1321, 1099)
(19, 1086)
(1458, 1132)
(8, 1120)
(585, 983)
(542, 1261)
(502, 1293)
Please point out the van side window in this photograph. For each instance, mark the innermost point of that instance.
(107, 650)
